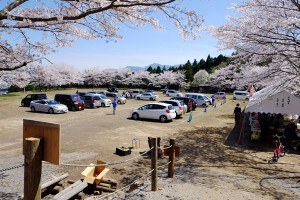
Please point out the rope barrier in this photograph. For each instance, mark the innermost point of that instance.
(164, 164)
(102, 197)
(107, 164)
(168, 147)
(13, 167)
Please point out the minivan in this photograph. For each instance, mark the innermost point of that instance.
(240, 95)
(72, 101)
(91, 100)
(120, 99)
(200, 99)
(30, 97)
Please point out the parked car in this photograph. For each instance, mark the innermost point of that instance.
(132, 93)
(208, 99)
(113, 89)
(147, 96)
(72, 101)
(91, 100)
(105, 102)
(220, 95)
(189, 102)
(160, 111)
(97, 92)
(150, 91)
(49, 106)
(3, 92)
(120, 99)
(199, 98)
(173, 93)
(241, 95)
(30, 97)
(178, 106)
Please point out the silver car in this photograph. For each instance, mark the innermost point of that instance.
(120, 99)
(178, 106)
(47, 105)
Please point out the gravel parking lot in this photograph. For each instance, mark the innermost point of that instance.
(94, 134)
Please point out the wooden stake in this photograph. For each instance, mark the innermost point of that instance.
(154, 165)
(33, 152)
(171, 158)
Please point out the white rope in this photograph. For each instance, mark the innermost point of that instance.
(168, 147)
(164, 164)
(101, 197)
(107, 164)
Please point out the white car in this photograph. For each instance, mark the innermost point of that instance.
(220, 95)
(47, 105)
(178, 106)
(147, 96)
(160, 111)
(173, 93)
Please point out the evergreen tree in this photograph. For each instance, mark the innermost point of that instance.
(158, 70)
(208, 63)
(150, 69)
(164, 69)
(188, 71)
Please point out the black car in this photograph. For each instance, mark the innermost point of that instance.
(30, 97)
(113, 90)
(189, 102)
(72, 101)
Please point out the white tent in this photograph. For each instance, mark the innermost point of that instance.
(274, 100)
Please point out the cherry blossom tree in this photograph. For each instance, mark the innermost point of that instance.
(266, 37)
(58, 23)
(201, 77)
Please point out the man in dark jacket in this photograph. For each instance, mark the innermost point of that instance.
(237, 113)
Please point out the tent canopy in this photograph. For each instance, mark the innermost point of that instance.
(274, 100)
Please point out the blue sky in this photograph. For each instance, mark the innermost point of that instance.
(144, 46)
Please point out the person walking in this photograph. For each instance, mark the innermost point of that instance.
(114, 104)
(237, 113)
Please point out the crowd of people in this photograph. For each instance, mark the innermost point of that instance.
(271, 124)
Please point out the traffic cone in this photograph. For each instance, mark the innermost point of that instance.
(190, 117)
(205, 108)
(215, 104)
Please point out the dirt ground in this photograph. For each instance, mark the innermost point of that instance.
(211, 164)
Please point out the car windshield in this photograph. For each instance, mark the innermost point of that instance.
(181, 103)
(118, 95)
(75, 98)
(103, 97)
(51, 102)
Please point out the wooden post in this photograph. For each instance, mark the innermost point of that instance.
(171, 158)
(154, 165)
(33, 153)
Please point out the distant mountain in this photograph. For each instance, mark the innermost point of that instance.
(153, 65)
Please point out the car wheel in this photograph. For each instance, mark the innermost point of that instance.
(92, 106)
(22, 104)
(135, 116)
(168, 95)
(163, 118)
(204, 105)
(32, 109)
(177, 116)
(151, 98)
(73, 108)
(50, 111)
(234, 98)
(247, 99)
(102, 105)
(119, 102)
(138, 98)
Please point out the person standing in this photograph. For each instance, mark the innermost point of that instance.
(114, 104)
(237, 113)
(213, 100)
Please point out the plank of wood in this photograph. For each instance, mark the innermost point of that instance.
(50, 133)
(71, 191)
(54, 180)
